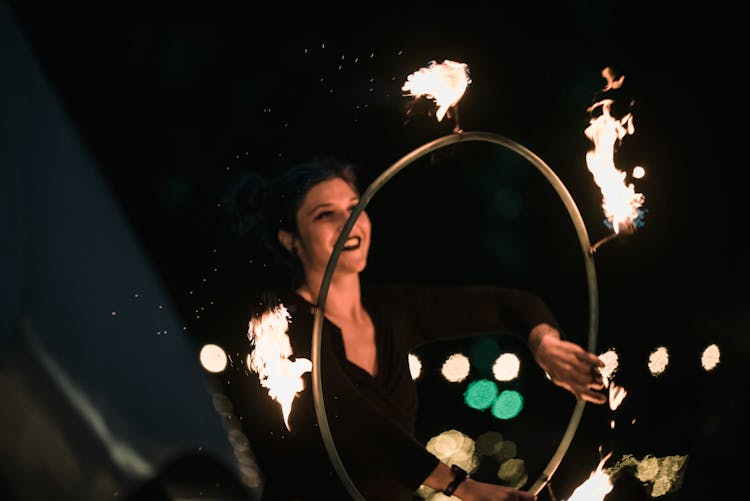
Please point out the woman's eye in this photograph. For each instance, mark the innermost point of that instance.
(324, 214)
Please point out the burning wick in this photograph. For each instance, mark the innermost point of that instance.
(270, 358)
(444, 83)
(608, 238)
(622, 205)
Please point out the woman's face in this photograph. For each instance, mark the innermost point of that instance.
(320, 219)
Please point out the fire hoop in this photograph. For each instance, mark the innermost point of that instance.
(575, 217)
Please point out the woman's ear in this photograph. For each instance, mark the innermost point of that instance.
(287, 240)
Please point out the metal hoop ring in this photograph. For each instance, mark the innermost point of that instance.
(583, 238)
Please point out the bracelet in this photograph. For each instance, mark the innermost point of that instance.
(460, 477)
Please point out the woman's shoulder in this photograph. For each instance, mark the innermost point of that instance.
(294, 304)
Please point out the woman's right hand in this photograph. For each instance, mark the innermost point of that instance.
(568, 365)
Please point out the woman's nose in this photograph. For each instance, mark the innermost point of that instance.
(342, 218)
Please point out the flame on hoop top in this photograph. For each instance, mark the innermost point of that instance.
(621, 204)
(444, 83)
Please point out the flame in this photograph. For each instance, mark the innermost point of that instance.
(270, 358)
(611, 362)
(596, 487)
(621, 204)
(444, 83)
(616, 395)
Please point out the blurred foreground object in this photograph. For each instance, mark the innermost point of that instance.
(102, 393)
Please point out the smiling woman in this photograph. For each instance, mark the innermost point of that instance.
(368, 331)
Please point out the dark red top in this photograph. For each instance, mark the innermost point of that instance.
(371, 419)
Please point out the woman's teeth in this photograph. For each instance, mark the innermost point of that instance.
(352, 243)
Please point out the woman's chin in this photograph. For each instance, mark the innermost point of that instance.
(351, 263)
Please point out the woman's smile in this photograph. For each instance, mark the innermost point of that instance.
(352, 243)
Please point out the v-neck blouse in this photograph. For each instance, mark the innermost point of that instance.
(371, 418)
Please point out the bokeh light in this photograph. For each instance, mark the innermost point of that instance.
(454, 447)
(513, 472)
(480, 394)
(415, 366)
(506, 367)
(507, 405)
(456, 368)
(213, 358)
(658, 361)
(483, 352)
(710, 357)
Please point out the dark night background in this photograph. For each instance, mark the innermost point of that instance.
(173, 102)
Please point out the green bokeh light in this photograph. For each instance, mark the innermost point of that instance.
(483, 352)
(480, 394)
(507, 405)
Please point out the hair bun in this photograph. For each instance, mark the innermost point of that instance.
(244, 203)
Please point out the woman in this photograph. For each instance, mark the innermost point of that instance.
(368, 332)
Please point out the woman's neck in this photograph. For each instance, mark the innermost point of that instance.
(344, 299)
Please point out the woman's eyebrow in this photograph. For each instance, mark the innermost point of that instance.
(324, 204)
(354, 200)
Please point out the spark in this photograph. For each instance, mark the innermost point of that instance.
(616, 395)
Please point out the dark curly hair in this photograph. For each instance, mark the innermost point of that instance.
(258, 207)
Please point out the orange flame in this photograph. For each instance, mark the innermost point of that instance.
(621, 203)
(616, 395)
(596, 487)
(270, 358)
(444, 83)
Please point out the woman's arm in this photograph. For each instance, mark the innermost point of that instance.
(425, 312)
(428, 312)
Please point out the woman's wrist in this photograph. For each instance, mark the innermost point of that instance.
(538, 333)
(465, 488)
(459, 476)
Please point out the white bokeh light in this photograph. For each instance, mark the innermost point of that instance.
(456, 368)
(710, 357)
(658, 361)
(454, 447)
(506, 367)
(213, 358)
(415, 366)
